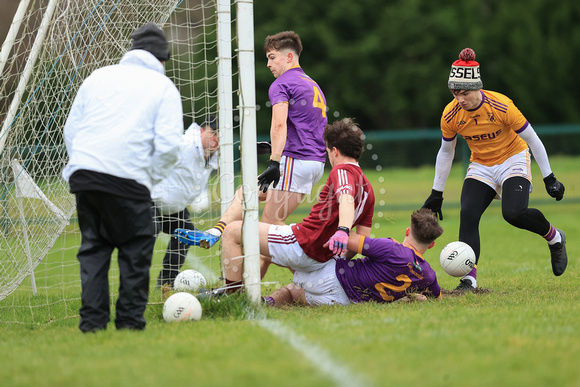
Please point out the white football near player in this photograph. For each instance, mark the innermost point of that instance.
(189, 280)
(457, 259)
(182, 307)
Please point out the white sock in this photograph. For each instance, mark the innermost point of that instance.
(214, 231)
(557, 239)
(473, 280)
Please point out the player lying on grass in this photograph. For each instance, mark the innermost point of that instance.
(390, 271)
(346, 201)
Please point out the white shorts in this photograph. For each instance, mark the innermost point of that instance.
(321, 286)
(285, 250)
(299, 175)
(494, 176)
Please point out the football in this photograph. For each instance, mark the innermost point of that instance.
(181, 307)
(457, 259)
(189, 280)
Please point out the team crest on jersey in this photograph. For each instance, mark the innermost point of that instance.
(491, 117)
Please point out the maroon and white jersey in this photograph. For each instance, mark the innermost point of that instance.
(322, 222)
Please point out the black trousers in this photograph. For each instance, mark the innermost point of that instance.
(477, 196)
(107, 222)
(176, 252)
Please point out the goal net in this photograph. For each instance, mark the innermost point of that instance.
(51, 47)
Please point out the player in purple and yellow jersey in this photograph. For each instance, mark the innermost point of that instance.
(390, 271)
(298, 121)
(498, 136)
(298, 152)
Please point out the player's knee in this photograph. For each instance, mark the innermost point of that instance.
(469, 215)
(232, 233)
(514, 216)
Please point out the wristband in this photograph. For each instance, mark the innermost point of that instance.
(343, 228)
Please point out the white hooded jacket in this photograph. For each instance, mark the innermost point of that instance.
(126, 121)
(189, 178)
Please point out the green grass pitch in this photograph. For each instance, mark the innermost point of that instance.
(524, 332)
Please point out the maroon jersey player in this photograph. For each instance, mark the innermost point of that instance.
(390, 270)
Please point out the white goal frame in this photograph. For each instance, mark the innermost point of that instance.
(23, 243)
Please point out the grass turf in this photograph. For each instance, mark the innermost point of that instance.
(523, 331)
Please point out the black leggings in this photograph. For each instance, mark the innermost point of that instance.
(477, 196)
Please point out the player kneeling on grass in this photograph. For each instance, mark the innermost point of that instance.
(391, 271)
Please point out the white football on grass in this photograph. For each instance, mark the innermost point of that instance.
(189, 280)
(457, 259)
(182, 307)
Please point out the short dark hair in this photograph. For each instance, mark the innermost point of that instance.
(346, 136)
(210, 121)
(425, 226)
(283, 40)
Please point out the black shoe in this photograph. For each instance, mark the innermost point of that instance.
(559, 255)
(465, 285)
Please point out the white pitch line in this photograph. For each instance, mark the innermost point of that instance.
(319, 358)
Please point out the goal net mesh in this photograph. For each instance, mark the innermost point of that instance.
(57, 44)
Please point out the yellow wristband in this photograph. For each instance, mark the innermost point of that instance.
(361, 243)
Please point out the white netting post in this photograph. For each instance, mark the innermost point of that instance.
(11, 37)
(30, 65)
(225, 105)
(245, 33)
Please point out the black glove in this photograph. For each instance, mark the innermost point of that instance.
(271, 174)
(554, 188)
(263, 147)
(434, 202)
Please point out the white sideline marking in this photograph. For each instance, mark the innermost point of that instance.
(319, 358)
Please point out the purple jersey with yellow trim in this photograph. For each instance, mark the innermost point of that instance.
(306, 114)
(389, 271)
(491, 130)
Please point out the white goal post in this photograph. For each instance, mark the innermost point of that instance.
(51, 47)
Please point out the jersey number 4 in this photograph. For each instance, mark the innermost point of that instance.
(318, 101)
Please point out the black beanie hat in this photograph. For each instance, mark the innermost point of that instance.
(151, 38)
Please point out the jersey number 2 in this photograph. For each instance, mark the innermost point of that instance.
(387, 297)
(318, 101)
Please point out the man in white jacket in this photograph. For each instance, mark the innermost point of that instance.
(122, 137)
(188, 180)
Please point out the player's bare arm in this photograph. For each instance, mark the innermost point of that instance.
(278, 130)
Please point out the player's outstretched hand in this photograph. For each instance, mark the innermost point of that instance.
(337, 242)
(554, 188)
(434, 203)
(270, 175)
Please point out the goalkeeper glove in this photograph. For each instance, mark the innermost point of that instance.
(554, 188)
(434, 202)
(271, 174)
(263, 147)
(337, 242)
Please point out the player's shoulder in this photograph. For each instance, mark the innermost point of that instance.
(346, 169)
(497, 100)
(451, 110)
